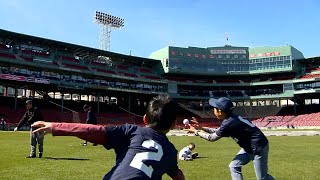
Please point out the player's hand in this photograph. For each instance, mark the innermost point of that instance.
(45, 127)
(191, 129)
(15, 129)
(194, 120)
(196, 124)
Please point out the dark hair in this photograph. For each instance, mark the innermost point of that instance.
(192, 144)
(161, 112)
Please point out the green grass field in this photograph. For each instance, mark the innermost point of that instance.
(290, 158)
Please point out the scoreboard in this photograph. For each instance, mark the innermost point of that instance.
(206, 61)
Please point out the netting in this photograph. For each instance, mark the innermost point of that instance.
(75, 115)
(131, 113)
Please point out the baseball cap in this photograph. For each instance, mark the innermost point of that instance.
(28, 101)
(86, 106)
(222, 103)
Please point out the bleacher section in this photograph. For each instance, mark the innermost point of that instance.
(304, 120)
(53, 112)
(7, 55)
(65, 60)
(310, 76)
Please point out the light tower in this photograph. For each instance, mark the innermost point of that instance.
(107, 22)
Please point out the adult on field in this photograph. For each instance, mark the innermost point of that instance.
(32, 115)
(91, 119)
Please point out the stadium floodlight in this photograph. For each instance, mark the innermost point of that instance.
(107, 22)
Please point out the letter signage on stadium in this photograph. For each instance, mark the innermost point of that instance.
(231, 51)
(268, 54)
(26, 79)
(12, 77)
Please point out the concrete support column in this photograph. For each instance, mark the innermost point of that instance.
(15, 98)
(98, 103)
(5, 91)
(62, 101)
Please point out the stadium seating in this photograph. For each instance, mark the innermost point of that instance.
(3, 47)
(35, 53)
(127, 74)
(26, 58)
(225, 80)
(68, 59)
(7, 55)
(113, 115)
(74, 66)
(153, 77)
(310, 76)
(65, 60)
(312, 69)
(94, 63)
(144, 70)
(234, 93)
(278, 78)
(108, 71)
(312, 119)
(123, 67)
(179, 79)
(188, 79)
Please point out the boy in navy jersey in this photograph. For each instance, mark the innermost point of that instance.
(253, 143)
(141, 152)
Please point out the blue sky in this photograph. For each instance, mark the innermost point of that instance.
(154, 24)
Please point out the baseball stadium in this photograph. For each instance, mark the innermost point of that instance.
(277, 88)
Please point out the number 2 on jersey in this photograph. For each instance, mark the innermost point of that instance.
(139, 157)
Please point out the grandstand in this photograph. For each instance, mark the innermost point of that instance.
(273, 86)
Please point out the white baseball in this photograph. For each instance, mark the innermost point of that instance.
(186, 122)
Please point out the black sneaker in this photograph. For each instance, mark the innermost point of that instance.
(40, 155)
(31, 156)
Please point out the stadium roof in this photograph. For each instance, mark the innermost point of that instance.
(13, 38)
(311, 60)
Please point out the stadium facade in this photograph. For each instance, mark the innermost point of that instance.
(251, 77)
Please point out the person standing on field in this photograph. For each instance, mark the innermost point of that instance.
(32, 115)
(91, 119)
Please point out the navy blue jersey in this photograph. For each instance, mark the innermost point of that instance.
(91, 118)
(246, 134)
(32, 115)
(141, 153)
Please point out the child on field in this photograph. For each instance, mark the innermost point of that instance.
(141, 152)
(254, 144)
(186, 153)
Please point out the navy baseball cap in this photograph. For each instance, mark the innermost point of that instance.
(223, 103)
(29, 101)
(86, 106)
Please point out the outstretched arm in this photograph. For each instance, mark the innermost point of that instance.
(92, 133)
(197, 125)
(207, 136)
(22, 121)
(209, 130)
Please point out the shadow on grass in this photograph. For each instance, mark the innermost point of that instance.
(62, 158)
(201, 157)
